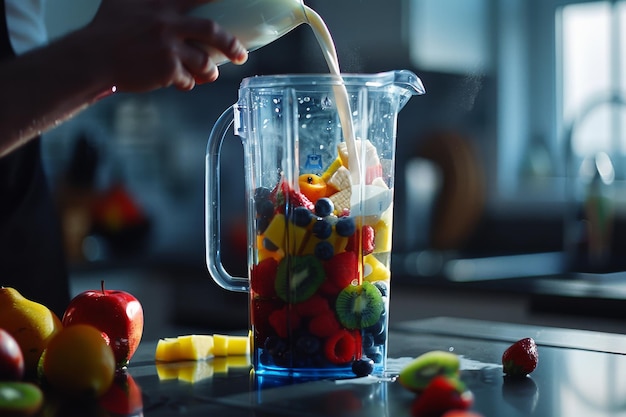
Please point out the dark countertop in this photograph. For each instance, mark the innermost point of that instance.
(579, 374)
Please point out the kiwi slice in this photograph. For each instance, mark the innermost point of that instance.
(298, 278)
(19, 398)
(418, 373)
(359, 306)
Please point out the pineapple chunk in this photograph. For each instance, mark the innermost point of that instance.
(374, 270)
(191, 347)
(230, 345)
(168, 350)
(195, 347)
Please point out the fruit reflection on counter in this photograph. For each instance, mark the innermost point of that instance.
(193, 358)
(117, 314)
(124, 397)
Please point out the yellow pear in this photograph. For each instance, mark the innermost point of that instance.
(30, 323)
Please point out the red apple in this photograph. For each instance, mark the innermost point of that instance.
(118, 314)
(11, 358)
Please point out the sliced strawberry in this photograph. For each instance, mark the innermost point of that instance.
(520, 358)
(283, 193)
(324, 325)
(440, 395)
(314, 306)
(261, 310)
(341, 270)
(368, 240)
(263, 276)
(284, 321)
(343, 347)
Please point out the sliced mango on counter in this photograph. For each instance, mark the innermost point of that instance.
(198, 347)
(190, 347)
(230, 345)
(168, 350)
(195, 347)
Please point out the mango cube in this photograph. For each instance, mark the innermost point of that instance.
(231, 345)
(374, 270)
(167, 350)
(191, 347)
(275, 231)
(195, 347)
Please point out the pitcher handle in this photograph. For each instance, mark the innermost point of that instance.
(212, 207)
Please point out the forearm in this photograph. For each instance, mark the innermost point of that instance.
(45, 87)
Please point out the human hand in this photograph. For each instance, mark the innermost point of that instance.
(142, 45)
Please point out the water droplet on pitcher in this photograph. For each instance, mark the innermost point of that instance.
(326, 103)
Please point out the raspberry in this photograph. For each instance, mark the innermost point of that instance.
(314, 306)
(343, 347)
(341, 270)
(260, 312)
(368, 240)
(284, 321)
(263, 276)
(324, 325)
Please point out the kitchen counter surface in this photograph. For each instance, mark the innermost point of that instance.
(579, 374)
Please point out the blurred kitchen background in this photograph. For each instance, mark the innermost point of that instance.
(509, 178)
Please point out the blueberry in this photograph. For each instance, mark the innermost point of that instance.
(261, 224)
(265, 208)
(262, 193)
(275, 345)
(308, 344)
(324, 250)
(345, 226)
(322, 229)
(301, 216)
(267, 244)
(324, 207)
(377, 328)
(382, 287)
(368, 340)
(363, 366)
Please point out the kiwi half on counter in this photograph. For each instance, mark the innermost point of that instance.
(19, 399)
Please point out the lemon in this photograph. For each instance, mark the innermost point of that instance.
(79, 362)
(30, 323)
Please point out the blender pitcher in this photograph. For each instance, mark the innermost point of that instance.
(319, 214)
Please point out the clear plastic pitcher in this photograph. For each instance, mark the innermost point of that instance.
(320, 211)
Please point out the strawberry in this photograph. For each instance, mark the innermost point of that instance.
(520, 358)
(341, 270)
(283, 193)
(324, 325)
(312, 307)
(368, 240)
(263, 276)
(284, 321)
(440, 395)
(260, 312)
